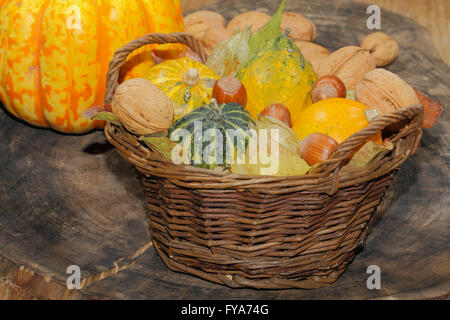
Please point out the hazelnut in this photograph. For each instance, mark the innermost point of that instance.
(328, 87)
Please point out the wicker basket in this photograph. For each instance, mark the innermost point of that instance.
(262, 231)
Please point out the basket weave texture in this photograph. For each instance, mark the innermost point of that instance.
(262, 231)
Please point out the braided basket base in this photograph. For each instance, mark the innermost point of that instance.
(244, 239)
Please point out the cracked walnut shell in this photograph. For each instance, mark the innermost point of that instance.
(349, 64)
(385, 91)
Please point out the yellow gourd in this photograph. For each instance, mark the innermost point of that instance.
(186, 82)
(54, 55)
(338, 118)
(277, 73)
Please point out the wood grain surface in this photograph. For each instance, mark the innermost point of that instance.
(433, 14)
(71, 200)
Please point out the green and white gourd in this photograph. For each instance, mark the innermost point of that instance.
(213, 135)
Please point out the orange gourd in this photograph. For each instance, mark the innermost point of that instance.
(337, 118)
(54, 54)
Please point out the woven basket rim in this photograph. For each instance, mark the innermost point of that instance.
(330, 167)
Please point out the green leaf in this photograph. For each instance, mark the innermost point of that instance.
(156, 134)
(163, 145)
(107, 116)
(269, 32)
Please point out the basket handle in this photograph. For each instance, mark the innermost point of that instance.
(345, 150)
(121, 55)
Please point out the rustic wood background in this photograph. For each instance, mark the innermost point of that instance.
(432, 14)
(72, 200)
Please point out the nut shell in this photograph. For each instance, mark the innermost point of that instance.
(255, 19)
(142, 107)
(328, 87)
(300, 27)
(228, 90)
(317, 147)
(383, 48)
(313, 52)
(278, 111)
(213, 37)
(385, 91)
(209, 17)
(208, 27)
(349, 63)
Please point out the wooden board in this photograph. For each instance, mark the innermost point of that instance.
(71, 200)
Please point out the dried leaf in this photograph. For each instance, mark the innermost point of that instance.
(284, 160)
(230, 54)
(92, 111)
(99, 113)
(366, 154)
(431, 110)
(107, 116)
(163, 145)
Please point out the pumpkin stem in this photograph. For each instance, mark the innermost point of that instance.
(191, 77)
(371, 114)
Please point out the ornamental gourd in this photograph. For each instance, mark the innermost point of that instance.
(337, 118)
(186, 82)
(54, 55)
(277, 73)
(212, 134)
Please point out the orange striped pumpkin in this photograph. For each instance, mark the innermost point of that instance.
(54, 54)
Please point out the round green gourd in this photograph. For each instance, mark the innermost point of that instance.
(229, 119)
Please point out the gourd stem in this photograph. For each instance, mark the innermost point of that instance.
(371, 114)
(214, 113)
(191, 77)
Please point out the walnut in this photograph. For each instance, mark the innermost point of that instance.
(208, 27)
(255, 19)
(312, 52)
(300, 27)
(385, 91)
(349, 64)
(210, 17)
(213, 37)
(142, 107)
(383, 48)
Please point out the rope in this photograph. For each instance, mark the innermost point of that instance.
(118, 265)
